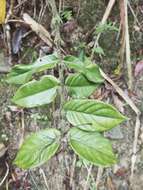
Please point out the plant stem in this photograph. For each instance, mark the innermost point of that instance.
(128, 51)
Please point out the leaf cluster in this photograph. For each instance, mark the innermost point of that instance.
(88, 118)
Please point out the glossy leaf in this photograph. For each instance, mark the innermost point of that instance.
(46, 62)
(86, 127)
(89, 70)
(99, 115)
(99, 50)
(73, 62)
(21, 74)
(38, 148)
(37, 93)
(92, 146)
(92, 73)
(79, 86)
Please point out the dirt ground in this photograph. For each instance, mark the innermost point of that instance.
(66, 171)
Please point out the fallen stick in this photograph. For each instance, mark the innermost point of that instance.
(38, 29)
(137, 125)
(6, 174)
(99, 175)
(121, 93)
(128, 49)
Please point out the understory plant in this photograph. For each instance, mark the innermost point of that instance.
(87, 118)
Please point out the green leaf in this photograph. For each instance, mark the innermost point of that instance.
(99, 50)
(93, 74)
(79, 86)
(38, 148)
(106, 27)
(87, 127)
(37, 93)
(99, 115)
(67, 15)
(77, 63)
(21, 74)
(46, 62)
(73, 62)
(92, 146)
(89, 70)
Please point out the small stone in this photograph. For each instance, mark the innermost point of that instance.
(115, 133)
(123, 186)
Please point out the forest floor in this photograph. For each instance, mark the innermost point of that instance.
(19, 44)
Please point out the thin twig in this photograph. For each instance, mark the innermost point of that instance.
(88, 177)
(121, 93)
(133, 13)
(55, 26)
(22, 128)
(104, 19)
(16, 20)
(6, 174)
(135, 142)
(44, 177)
(33, 179)
(20, 4)
(128, 51)
(98, 178)
(41, 10)
(7, 33)
(44, 10)
(60, 6)
(10, 11)
(72, 171)
(122, 28)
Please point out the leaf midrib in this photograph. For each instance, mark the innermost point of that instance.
(94, 114)
(84, 144)
(29, 96)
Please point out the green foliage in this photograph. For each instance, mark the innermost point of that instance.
(99, 50)
(37, 93)
(38, 148)
(79, 86)
(106, 27)
(99, 115)
(85, 67)
(92, 146)
(75, 63)
(66, 15)
(20, 74)
(92, 73)
(89, 117)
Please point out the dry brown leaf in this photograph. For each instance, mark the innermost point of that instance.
(138, 68)
(121, 172)
(118, 103)
(122, 14)
(38, 29)
(2, 149)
